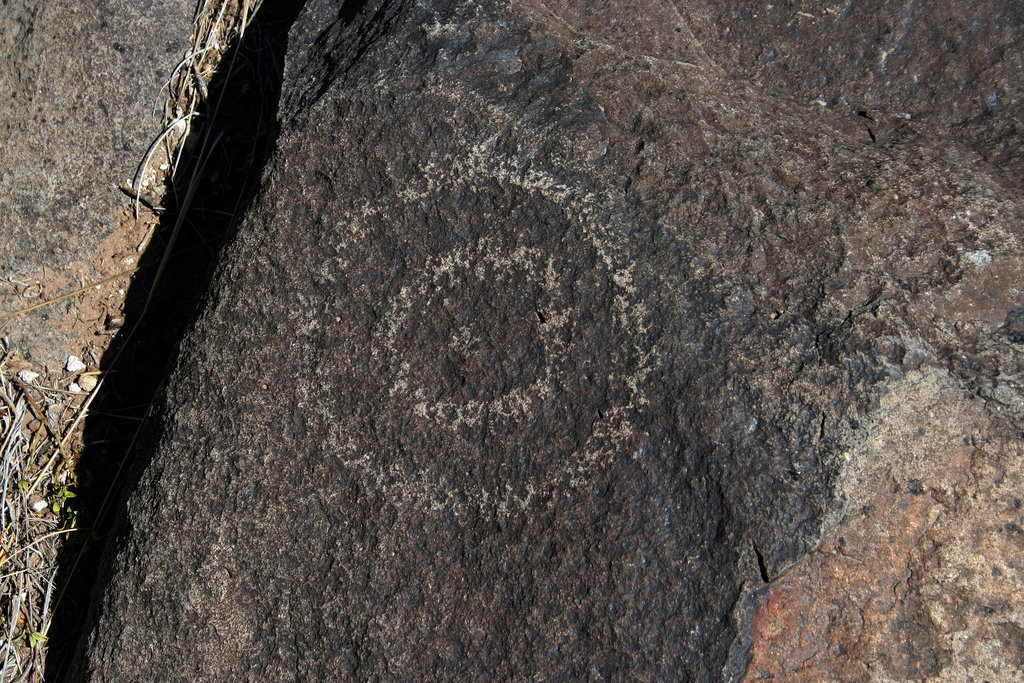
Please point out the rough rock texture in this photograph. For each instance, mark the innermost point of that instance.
(933, 71)
(82, 86)
(922, 580)
(549, 338)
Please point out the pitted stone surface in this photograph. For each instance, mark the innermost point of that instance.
(546, 339)
(949, 73)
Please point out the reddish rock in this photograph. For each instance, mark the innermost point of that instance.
(921, 579)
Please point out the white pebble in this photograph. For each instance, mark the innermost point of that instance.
(75, 364)
(74, 388)
(39, 505)
(27, 376)
(87, 382)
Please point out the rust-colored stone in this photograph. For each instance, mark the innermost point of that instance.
(921, 579)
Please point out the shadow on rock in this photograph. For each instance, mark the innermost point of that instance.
(235, 133)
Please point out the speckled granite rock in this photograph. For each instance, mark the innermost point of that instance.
(82, 85)
(547, 342)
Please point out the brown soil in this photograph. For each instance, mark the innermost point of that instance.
(81, 322)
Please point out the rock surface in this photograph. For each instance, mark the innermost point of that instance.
(936, 72)
(548, 341)
(922, 579)
(83, 95)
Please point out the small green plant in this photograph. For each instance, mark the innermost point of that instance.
(59, 496)
(34, 638)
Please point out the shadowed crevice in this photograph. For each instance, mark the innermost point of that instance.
(234, 133)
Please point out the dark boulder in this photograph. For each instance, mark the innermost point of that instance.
(545, 344)
(939, 72)
(83, 91)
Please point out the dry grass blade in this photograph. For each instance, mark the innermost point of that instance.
(33, 517)
(68, 295)
(216, 26)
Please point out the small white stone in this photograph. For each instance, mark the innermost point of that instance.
(87, 382)
(28, 376)
(74, 388)
(75, 364)
(39, 505)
